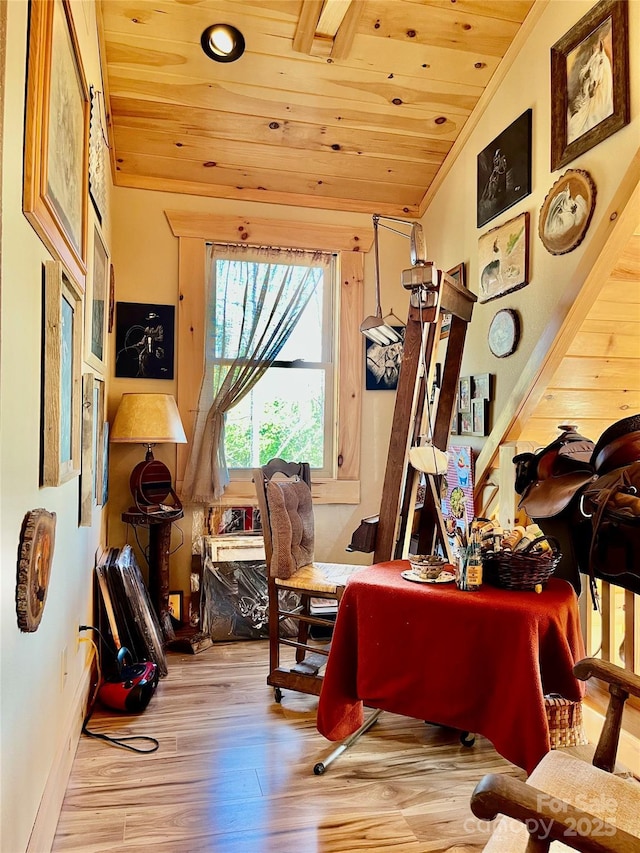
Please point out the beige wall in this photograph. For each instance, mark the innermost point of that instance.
(37, 709)
(450, 221)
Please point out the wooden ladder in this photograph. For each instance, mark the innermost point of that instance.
(393, 527)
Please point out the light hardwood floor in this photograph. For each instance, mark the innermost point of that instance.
(234, 774)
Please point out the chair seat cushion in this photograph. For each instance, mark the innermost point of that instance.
(319, 577)
(603, 795)
(291, 522)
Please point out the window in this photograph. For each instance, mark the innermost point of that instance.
(289, 411)
(348, 244)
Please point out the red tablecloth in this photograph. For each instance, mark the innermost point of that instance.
(476, 661)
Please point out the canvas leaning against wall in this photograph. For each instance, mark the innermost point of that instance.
(457, 504)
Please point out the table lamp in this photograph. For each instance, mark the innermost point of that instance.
(149, 419)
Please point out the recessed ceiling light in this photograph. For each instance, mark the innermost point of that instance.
(222, 42)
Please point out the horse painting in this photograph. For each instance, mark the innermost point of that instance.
(590, 84)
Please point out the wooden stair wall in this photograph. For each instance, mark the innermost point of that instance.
(598, 381)
(585, 368)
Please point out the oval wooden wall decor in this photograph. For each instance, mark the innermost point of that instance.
(35, 553)
(504, 333)
(566, 212)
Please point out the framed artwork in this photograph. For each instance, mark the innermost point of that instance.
(445, 326)
(566, 212)
(235, 599)
(466, 423)
(98, 439)
(503, 258)
(590, 82)
(104, 495)
(96, 305)
(175, 605)
(458, 275)
(87, 470)
(232, 519)
(55, 189)
(61, 394)
(144, 340)
(481, 386)
(464, 394)
(479, 416)
(436, 383)
(97, 160)
(112, 298)
(382, 363)
(504, 170)
(457, 505)
(504, 333)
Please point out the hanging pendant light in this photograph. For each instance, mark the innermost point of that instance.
(374, 327)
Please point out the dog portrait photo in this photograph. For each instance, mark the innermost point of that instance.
(566, 212)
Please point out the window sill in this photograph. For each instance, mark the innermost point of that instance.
(323, 491)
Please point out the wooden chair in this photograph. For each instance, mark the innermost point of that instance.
(284, 498)
(575, 804)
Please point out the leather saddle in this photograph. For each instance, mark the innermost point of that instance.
(549, 479)
(549, 497)
(553, 480)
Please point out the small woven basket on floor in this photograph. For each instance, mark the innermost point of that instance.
(521, 570)
(565, 721)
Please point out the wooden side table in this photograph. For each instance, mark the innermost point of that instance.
(159, 525)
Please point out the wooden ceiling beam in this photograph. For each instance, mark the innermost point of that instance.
(306, 29)
(346, 33)
(327, 28)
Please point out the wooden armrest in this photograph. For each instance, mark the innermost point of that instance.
(609, 672)
(621, 683)
(547, 818)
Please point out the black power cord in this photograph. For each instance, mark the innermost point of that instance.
(121, 742)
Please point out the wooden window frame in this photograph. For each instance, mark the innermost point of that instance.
(327, 362)
(194, 231)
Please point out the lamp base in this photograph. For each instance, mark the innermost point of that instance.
(151, 487)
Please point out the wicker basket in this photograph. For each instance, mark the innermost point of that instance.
(521, 570)
(565, 721)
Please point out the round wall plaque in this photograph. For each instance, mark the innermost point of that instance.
(504, 333)
(566, 212)
(35, 553)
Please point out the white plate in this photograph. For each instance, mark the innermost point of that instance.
(443, 577)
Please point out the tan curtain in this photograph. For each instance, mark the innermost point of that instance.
(253, 304)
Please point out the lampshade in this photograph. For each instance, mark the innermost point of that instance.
(375, 329)
(147, 419)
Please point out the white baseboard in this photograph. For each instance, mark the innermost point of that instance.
(44, 828)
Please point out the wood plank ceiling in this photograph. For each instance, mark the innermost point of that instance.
(342, 104)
